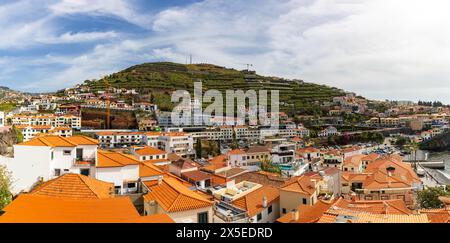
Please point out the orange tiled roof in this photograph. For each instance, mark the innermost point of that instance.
(173, 196)
(112, 159)
(82, 140)
(307, 213)
(376, 206)
(75, 186)
(217, 163)
(391, 218)
(354, 160)
(48, 141)
(371, 157)
(377, 218)
(437, 215)
(149, 170)
(58, 141)
(41, 209)
(150, 151)
(302, 185)
(252, 202)
(236, 151)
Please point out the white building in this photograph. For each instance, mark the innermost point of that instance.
(120, 169)
(47, 157)
(329, 131)
(30, 132)
(179, 143)
(47, 120)
(283, 153)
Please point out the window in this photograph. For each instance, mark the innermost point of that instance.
(79, 153)
(117, 189)
(269, 210)
(131, 185)
(57, 172)
(284, 211)
(67, 152)
(304, 201)
(259, 217)
(203, 218)
(53, 155)
(85, 172)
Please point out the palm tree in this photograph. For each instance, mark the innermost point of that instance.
(412, 147)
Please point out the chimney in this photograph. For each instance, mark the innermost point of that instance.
(160, 180)
(314, 182)
(390, 170)
(295, 215)
(353, 197)
(264, 202)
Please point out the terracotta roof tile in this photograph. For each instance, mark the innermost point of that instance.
(149, 151)
(75, 186)
(41, 209)
(252, 202)
(307, 213)
(173, 196)
(112, 159)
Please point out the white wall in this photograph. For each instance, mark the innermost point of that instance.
(29, 164)
(118, 175)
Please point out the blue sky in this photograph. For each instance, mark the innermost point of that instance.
(381, 49)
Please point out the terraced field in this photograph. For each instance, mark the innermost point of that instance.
(160, 79)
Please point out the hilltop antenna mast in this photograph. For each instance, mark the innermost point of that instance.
(190, 59)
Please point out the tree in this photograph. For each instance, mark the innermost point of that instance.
(234, 144)
(429, 198)
(5, 187)
(198, 148)
(19, 135)
(412, 147)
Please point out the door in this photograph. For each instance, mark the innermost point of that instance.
(203, 218)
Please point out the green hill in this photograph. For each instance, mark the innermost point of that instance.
(156, 81)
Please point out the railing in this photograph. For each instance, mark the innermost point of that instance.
(221, 208)
(83, 162)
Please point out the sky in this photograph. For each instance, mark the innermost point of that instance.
(381, 49)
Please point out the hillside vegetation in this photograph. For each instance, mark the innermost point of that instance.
(438, 143)
(158, 80)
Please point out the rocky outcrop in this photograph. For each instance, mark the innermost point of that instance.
(8, 137)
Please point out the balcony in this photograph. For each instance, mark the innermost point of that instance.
(85, 162)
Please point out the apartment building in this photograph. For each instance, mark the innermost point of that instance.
(30, 132)
(47, 120)
(111, 139)
(179, 143)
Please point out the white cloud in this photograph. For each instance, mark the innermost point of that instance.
(115, 8)
(397, 49)
(70, 37)
(381, 49)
